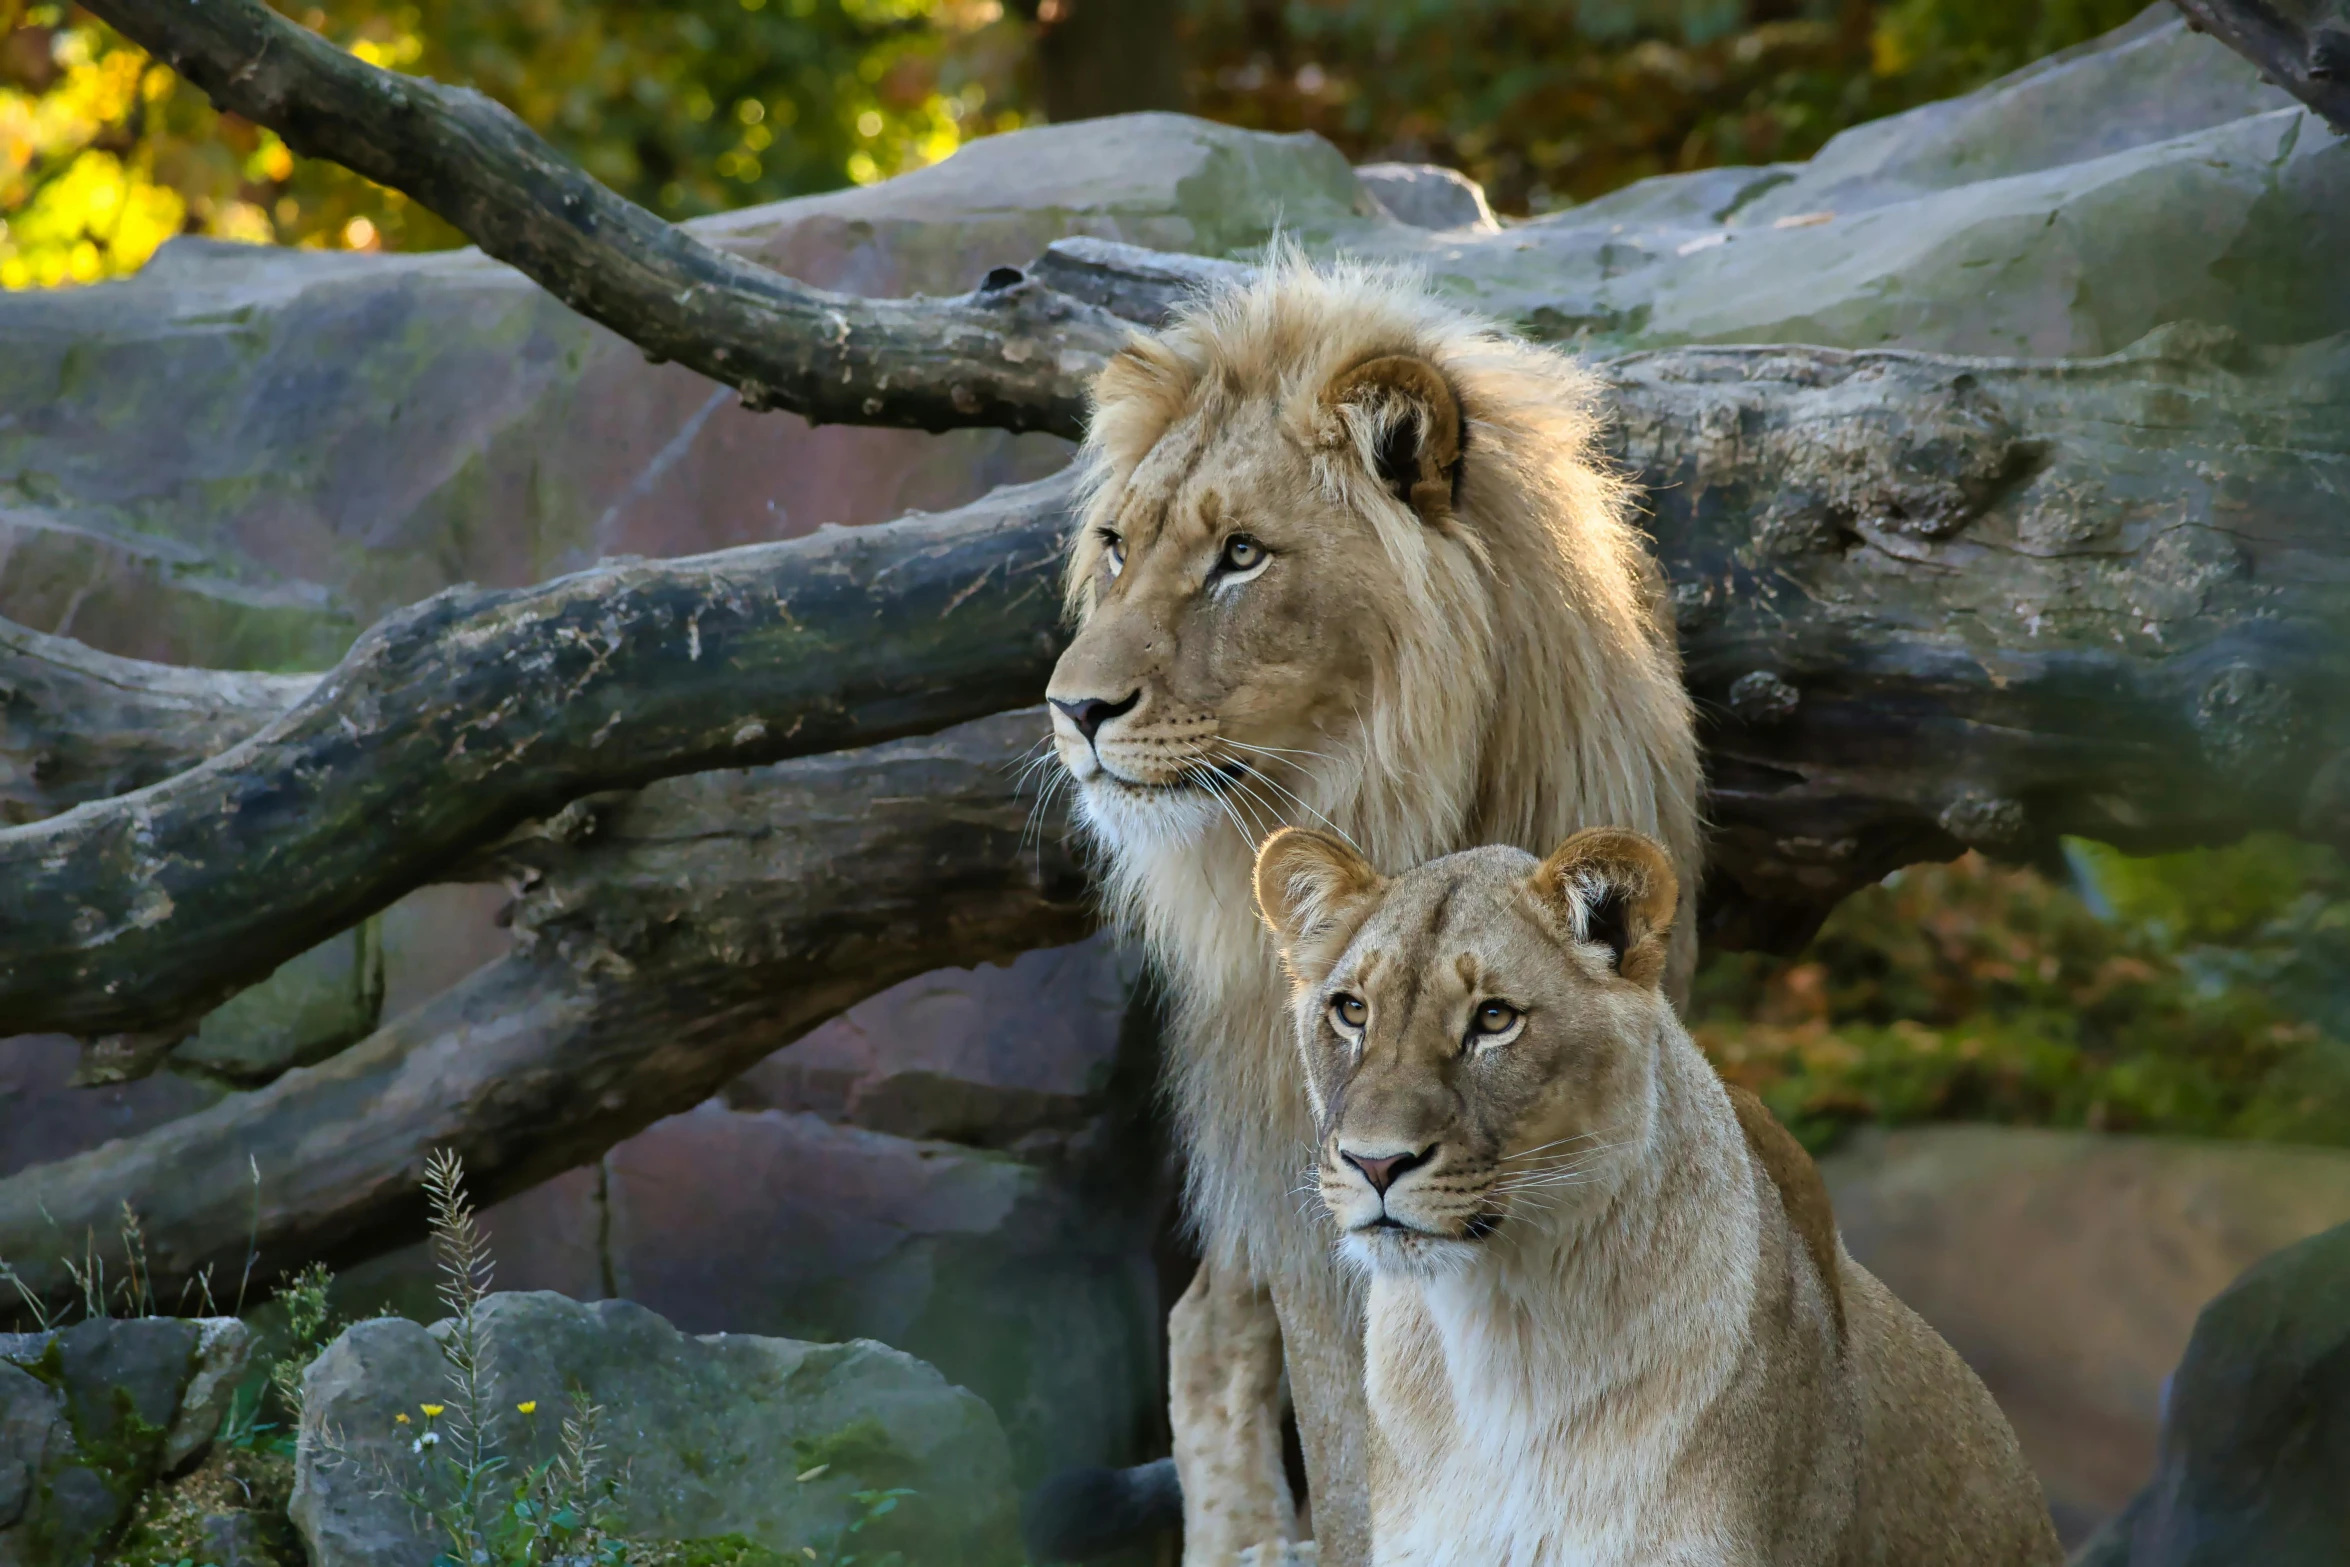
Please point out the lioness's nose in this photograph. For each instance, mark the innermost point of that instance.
(1382, 1171)
(1089, 713)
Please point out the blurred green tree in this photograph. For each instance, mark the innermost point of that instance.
(702, 105)
(1549, 104)
(688, 108)
(2202, 992)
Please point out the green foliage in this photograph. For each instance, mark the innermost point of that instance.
(705, 105)
(2209, 1002)
(1549, 104)
(693, 107)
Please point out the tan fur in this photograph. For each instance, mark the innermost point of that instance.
(1456, 638)
(1610, 1320)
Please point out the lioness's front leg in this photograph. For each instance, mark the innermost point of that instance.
(1224, 1403)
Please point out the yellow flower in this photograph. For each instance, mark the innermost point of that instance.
(529, 1406)
(402, 1419)
(431, 1411)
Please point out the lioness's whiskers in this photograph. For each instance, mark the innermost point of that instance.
(1528, 1153)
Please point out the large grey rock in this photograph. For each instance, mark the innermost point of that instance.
(1031, 1284)
(92, 1414)
(2068, 1268)
(2256, 1439)
(712, 1432)
(45, 1115)
(989, 1057)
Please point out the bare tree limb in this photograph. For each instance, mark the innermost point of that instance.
(452, 721)
(710, 921)
(2312, 63)
(77, 724)
(1925, 602)
(1013, 357)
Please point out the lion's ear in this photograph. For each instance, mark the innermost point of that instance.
(1616, 889)
(1314, 892)
(1406, 424)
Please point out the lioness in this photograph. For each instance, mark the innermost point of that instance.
(1610, 1318)
(1348, 557)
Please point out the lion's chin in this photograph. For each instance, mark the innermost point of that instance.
(1390, 1247)
(1132, 818)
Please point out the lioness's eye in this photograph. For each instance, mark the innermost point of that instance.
(1494, 1017)
(1349, 1013)
(1241, 553)
(1115, 546)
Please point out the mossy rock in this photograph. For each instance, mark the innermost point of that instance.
(729, 1435)
(91, 1415)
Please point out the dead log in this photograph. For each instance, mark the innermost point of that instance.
(1926, 603)
(692, 929)
(453, 721)
(1931, 603)
(77, 724)
(1010, 356)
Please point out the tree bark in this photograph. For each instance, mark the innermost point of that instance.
(2311, 62)
(690, 931)
(77, 724)
(1933, 603)
(1011, 357)
(453, 721)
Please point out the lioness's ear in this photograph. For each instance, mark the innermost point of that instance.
(1406, 423)
(1616, 888)
(1314, 892)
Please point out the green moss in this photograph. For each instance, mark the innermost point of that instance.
(48, 1366)
(232, 1503)
(862, 1448)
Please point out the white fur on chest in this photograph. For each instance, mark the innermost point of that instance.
(1525, 1427)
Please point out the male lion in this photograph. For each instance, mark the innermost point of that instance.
(1610, 1319)
(1346, 557)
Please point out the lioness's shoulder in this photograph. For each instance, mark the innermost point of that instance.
(1801, 1191)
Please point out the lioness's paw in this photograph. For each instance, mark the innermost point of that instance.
(1281, 1553)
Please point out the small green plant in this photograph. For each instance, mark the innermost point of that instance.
(448, 1464)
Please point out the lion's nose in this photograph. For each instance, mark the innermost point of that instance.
(1382, 1171)
(1089, 713)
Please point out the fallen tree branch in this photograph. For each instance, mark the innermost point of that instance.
(1931, 603)
(1010, 357)
(2312, 63)
(1926, 603)
(77, 724)
(708, 922)
(451, 722)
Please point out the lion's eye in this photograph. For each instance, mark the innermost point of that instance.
(1114, 547)
(1349, 1013)
(1241, 553)
(1494, 1017)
